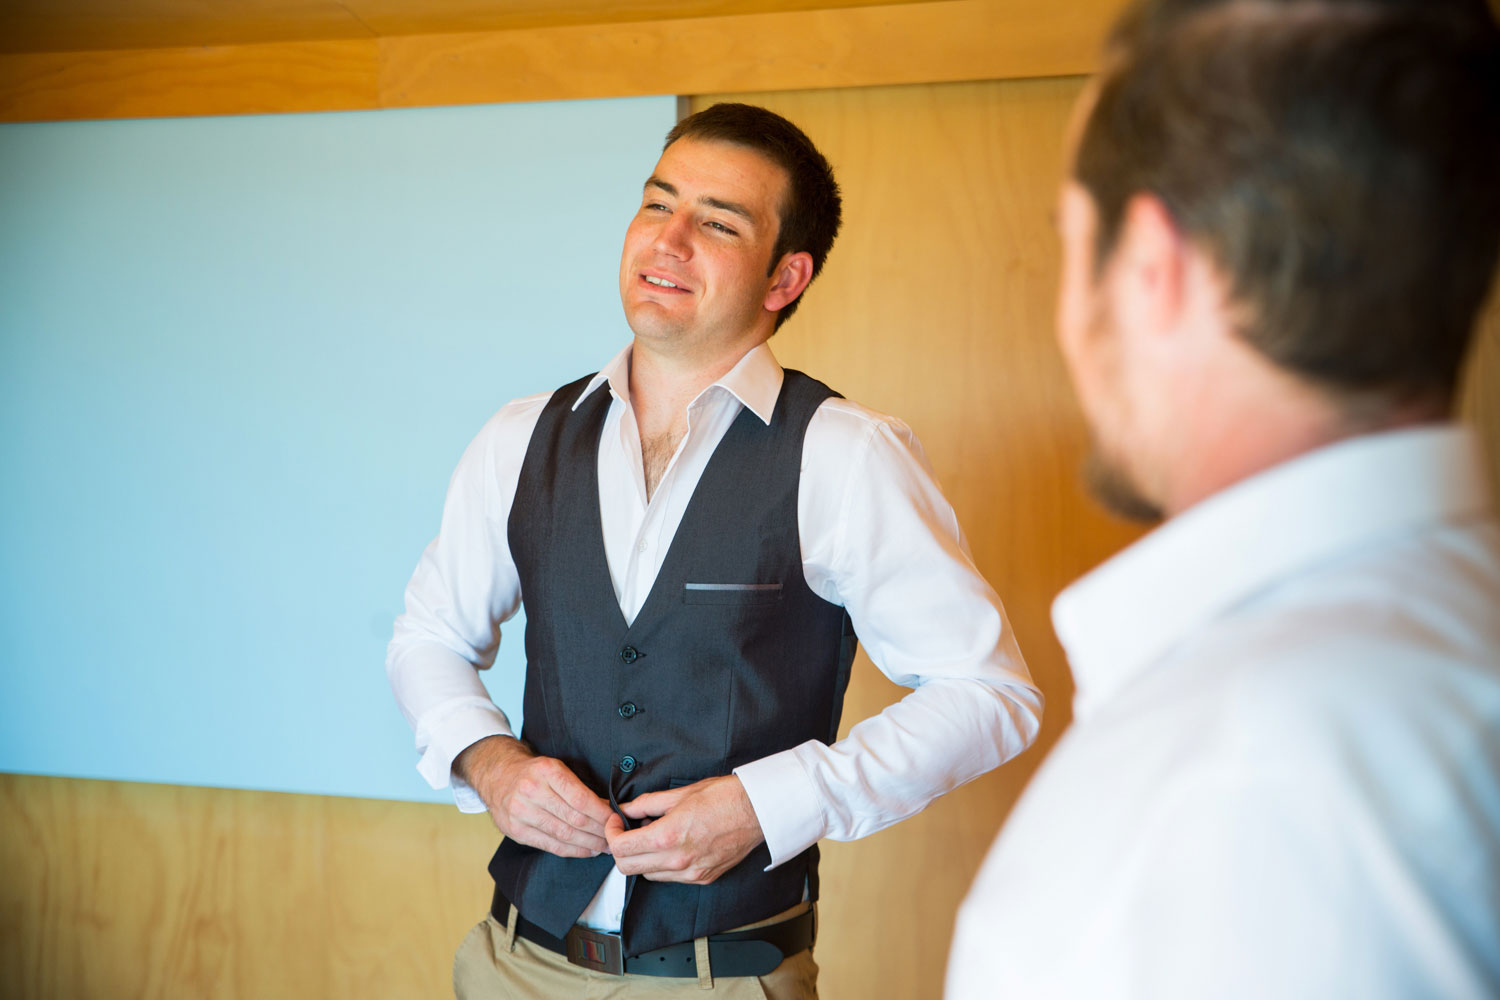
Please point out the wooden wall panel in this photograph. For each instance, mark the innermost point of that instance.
(1480, 401)
(116, 890)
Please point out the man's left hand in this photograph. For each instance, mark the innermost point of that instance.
(693, 834)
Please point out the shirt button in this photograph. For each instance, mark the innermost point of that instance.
(628, 710)
(627, 763)
(630, 654)
(641, 545)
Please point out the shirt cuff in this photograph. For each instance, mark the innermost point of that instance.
(786, 804)
(443, 740)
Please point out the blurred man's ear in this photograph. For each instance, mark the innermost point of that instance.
(1147, 269)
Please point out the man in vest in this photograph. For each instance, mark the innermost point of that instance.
(1283, 775)
(698, 535)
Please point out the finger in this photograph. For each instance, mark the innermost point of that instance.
(659, 838)
(672, 868)
(578, 797)
(654, 803)
(614, 827)
(543, 823)
(558, 807)
(659, 866)
(551, 845)
(522, 831)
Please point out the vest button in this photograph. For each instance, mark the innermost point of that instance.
(627, 763)
(630, 654)
(628, 710)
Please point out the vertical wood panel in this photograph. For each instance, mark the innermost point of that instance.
(1480, 401)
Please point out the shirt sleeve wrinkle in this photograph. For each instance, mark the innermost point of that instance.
(927, 619)
(464, 586)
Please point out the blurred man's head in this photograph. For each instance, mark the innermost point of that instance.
(1281, 221)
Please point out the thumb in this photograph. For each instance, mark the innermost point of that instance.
(652, 803)
(614, 826)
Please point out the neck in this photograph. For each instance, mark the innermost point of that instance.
(662, 384)
(1250, 432)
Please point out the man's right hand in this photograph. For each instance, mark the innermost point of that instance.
(535, 800)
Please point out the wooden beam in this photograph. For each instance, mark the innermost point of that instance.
(949, 40)
(167, 83)
(865, 46)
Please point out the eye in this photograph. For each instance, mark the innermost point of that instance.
(653, 206)
(721, 227)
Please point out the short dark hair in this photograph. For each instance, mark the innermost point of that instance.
(1338, 159)
(812, 209)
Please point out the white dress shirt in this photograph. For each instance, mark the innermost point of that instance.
(1283, 777)
(877, 538)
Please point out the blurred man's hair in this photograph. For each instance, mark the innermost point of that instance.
(1339, 161)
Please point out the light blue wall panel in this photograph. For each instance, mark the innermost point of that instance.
(239, 358)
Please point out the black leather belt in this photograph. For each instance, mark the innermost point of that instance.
(735, 953)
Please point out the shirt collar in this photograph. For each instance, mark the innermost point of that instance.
(755, 380)
(1130, 611)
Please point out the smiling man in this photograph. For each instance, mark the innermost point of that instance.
(1283, 776)
(697, 535)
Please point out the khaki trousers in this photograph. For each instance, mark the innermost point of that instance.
(493, 964)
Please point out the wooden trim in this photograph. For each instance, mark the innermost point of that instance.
(949, 40)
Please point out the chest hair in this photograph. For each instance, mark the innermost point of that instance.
(656, 454)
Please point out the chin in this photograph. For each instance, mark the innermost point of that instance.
(1115, 489)
(646, 321)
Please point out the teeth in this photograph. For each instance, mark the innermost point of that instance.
(660, 281)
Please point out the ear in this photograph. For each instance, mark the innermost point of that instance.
(1149, 268)
(791, 275)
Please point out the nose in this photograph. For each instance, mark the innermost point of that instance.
(674, 236)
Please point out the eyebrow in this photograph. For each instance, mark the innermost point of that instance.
(719, 203)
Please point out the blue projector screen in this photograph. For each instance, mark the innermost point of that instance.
(239, 358)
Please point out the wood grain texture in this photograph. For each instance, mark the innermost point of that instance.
(115, 890)
(843, 47)
(427, 17)
(87, 25)
(1479, 403)
(956, 40)
(241, 79)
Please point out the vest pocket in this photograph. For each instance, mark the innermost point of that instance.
(731, 593)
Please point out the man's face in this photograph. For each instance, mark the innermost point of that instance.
(1096, 352)
(694, 269)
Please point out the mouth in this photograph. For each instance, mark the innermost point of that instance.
(658, 283)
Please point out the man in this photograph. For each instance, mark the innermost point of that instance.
(1283, 778)
(697, 535)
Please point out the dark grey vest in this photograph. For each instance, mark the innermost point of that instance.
(731, 658)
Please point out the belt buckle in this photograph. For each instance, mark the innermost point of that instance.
(595, 950)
